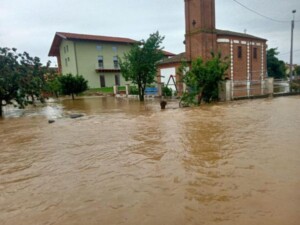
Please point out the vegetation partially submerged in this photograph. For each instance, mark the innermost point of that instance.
(24, 80)
(139, 64)
(203, 79)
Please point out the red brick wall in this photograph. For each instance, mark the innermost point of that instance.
(247, 66)
(240, 64)
(202, 12)
(200, 35)
(224, 49)
(200, 44)
(201, 40)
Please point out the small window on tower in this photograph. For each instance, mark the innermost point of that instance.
(240, 53)
(255, 53)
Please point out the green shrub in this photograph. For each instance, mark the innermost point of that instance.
(167, 91)
(71, 85)
(133, 90)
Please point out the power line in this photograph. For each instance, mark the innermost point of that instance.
(266, 17)
(298, 50)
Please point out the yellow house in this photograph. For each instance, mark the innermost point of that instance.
(93, 57)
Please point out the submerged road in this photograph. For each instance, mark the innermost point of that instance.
(131, 163)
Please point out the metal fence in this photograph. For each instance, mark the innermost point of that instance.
(247, 89)
(281, 86)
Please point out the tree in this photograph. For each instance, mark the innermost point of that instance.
(9, 77)
(71, 85)
(203, 80)
(275, 67)
(139, 65)
(53, 84)
(32, 81)
(20, 76)
(297, 70)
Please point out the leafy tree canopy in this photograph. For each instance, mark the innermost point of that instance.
(21, 76)
(297, 70)
(139, 64)
(71, 85)
(275, 67)
(53, 85)
(203, 79)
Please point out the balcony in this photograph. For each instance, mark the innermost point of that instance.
(102, 69)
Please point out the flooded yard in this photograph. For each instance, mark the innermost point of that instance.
(130, 163)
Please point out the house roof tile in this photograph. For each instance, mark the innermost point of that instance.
(59, 36)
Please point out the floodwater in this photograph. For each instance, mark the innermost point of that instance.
(130, 163)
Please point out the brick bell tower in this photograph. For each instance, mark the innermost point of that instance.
(200, 37)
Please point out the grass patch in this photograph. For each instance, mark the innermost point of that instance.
(104, 90)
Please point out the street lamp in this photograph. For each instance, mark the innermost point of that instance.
(292, 37)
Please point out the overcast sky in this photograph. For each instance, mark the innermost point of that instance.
(30, 25)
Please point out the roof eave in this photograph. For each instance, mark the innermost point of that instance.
(237, 34)
(54, 49)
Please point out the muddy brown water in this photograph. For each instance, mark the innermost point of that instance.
(131, 163)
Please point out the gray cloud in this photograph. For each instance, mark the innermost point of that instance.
(31, 25)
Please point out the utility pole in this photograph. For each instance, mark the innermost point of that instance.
(292, 39)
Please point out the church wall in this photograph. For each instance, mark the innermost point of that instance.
(246, 56)
(224, 49)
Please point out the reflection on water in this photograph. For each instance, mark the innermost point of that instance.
(127, 162)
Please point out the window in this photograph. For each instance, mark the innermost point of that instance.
(115, 49)
(102, 81)
(255, 53)
(66, 61)
(116, 62)
(117, 79)
(240, 53)
(100, 62)
(67, 48)
(99, 48)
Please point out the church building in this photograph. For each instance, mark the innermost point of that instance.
(247, 53)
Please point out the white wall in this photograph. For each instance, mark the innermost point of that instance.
(166, 73)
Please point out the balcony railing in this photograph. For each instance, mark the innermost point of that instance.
(112, 68)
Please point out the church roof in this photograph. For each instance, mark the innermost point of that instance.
(168, 54)
(175, 59)
(237, 34)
